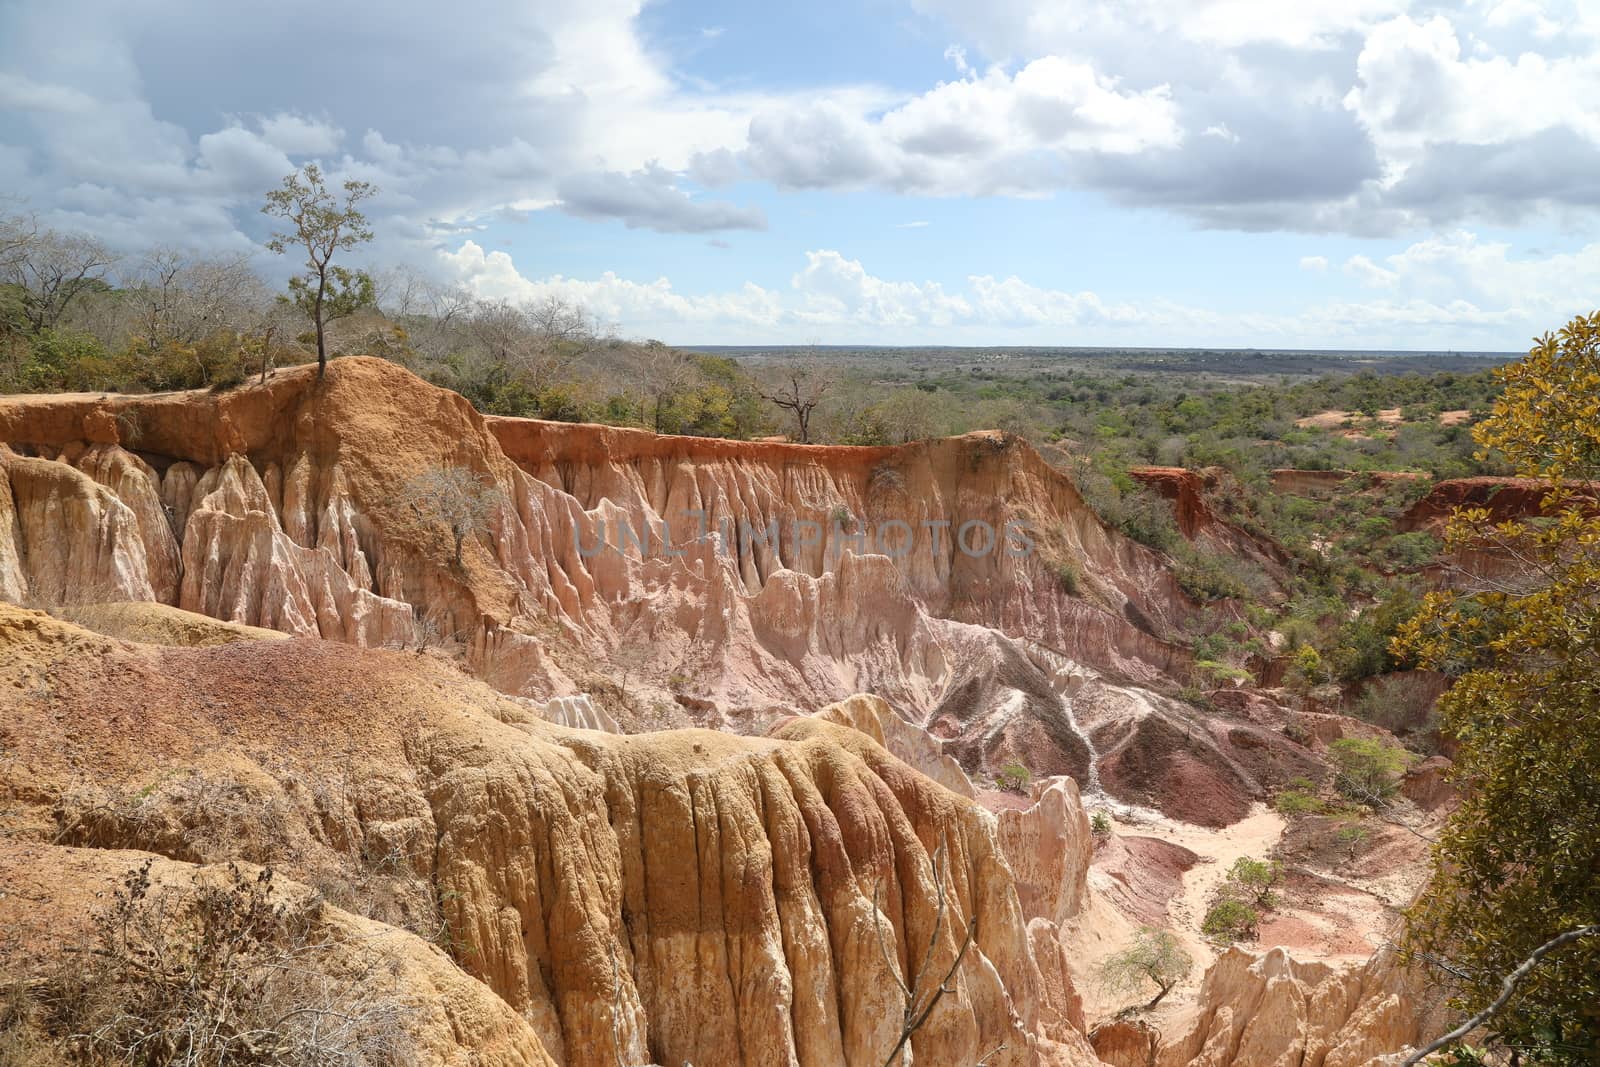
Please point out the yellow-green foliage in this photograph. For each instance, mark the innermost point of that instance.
(1519, 860)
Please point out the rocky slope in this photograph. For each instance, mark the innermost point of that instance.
(740, 580)
(276, 504)
(1197, 521)
(688, 896)
(257, 648)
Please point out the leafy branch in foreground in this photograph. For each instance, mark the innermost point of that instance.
(1515, 864)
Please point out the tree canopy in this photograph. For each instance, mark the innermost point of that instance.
(1519, 861)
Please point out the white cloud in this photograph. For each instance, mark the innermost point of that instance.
(101, 94)
(297, 135)
(1548, 289)
(1357, 116)
(1315, 264)
(983, 134)
(1454, 292)
(1415, 89)
(651, 199)
(1369, 273)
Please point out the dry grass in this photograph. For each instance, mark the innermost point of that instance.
(223, 971)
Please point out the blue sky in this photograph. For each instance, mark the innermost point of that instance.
(1362, 173)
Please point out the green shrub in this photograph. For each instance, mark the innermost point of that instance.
(1255, 879)
(1295, 803)
(1067, 576)
(1351, 836)
(1154, 957)
(1366, 769)
(1013, 778)
(1398, 703)
(1100, 824)
(1215, 674)
(1230, 920)
(1306, 670)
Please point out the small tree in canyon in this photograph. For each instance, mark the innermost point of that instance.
(460, 500)
(1153, 957)
(1255, 880)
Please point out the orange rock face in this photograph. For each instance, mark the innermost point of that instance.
(278, 505)
(1505, 499)
(1184, 488)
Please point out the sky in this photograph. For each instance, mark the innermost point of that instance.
(1242, 173)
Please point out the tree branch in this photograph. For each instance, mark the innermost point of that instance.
(1507, 987)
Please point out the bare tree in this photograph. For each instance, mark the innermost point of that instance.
(51, 269)
(559, 319)
(631, 657)
(322, 224)
(664, 373)
(461, 500)
(222, 972)
(184, 297)
(919, 1003)
(430, 312)
(17, 233)
(798, 388)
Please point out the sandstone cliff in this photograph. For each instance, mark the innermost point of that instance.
(1267, 1009)
(277, 505)
(691, 896)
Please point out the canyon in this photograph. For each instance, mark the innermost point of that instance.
(689, 748)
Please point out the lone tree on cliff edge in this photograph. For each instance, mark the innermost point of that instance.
(798, 388)
(322, 225)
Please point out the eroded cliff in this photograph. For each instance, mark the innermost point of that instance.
(689, 896)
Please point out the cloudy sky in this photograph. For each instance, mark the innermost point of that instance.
(1320, 173)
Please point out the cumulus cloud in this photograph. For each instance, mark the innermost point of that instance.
(651, 199)
(1451, 292)
(1329, 115)
(301, 136)
(1368, 117)
(989, 133)
(173, 115)
(1415, 88)
(1315, 264)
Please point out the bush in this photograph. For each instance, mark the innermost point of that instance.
(223, 972)
(1100, 824)
(1215, 674)
(1013, 778)
(1351, 836)
(1398, 703)
(1067, 576)
(1230, 920)
(1306, 670)
(1366, 769)
(1255, 879)
(1296, 802)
